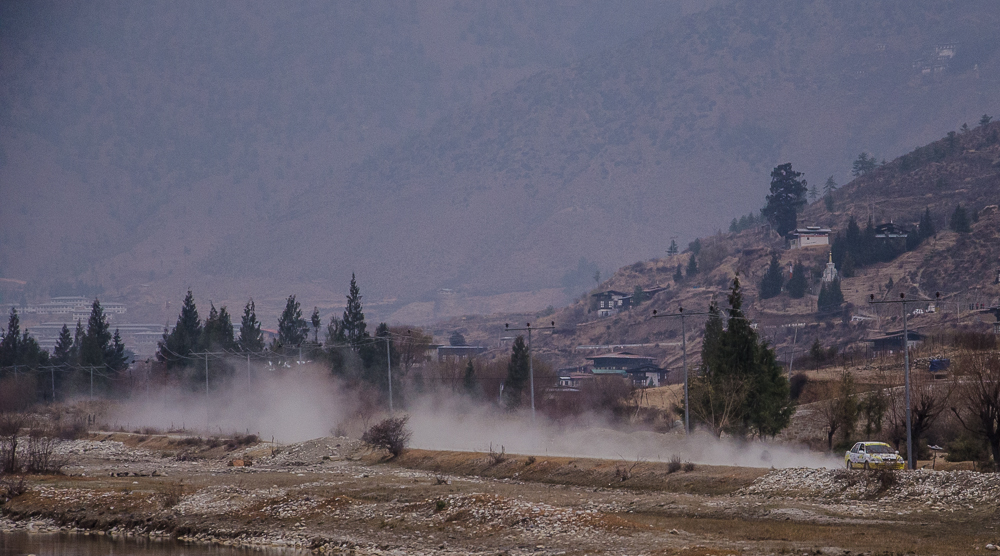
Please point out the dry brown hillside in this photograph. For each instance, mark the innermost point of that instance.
(963, 168)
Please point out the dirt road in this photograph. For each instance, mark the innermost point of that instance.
(331, 496)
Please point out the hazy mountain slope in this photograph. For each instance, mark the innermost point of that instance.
(964, 169)
(676, 132)
(272, 150)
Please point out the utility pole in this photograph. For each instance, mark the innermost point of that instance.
(687, 405)
(388, 365)
(531, 365)
(912, 463)
(791, 356)
(208, 419)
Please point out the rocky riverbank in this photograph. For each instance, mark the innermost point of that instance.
(330, 495)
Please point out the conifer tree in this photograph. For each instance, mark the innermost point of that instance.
(692, 268)
(251, 337)
(673, 249)
(77, 343)
(353, 323)
(740, 377)
(518, 374)
(959, 221)
(10, 341)
(63, 350)
(316, 323)
(176, 347)
(97, 340)
(678, 275)
(770, 285)
(117, 359)
(787, 196)
(218, 331)
(797, 284)
(292, 328)
(926, 227)
(830, 186)
(831, 298)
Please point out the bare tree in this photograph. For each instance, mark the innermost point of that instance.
(10, 425)
(411, 345)
(928, 399)
(978, 392)
(840, 408)
(717, 403)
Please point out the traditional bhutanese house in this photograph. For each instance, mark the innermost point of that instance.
(640, 368)
(611, 301)
(893, 342)
(890, 231)
(458, 352)
(810, 236)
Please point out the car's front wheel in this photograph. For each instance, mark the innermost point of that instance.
(866, 466)
(849, 466)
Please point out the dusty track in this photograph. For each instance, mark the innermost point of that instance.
(331, 495)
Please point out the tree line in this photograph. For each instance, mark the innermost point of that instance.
(87, 358)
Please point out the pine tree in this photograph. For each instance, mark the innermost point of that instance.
(77, 343)
(985, 120)
(959, 221)
(813, 193)
(176, 347)
(830, 186)
(316, 323)
(63, 350)
(692, 268)
(786, 198)
(863, 165)
(797, 284)
(97, 340)
(831, 298)
(738, 364)
(673, 249)
(926, 227)
(353, 323)
(292, 328)
(518, 374)
(770, 285)
(678, 275)
(10, 341)
(251, 337)
(218, 330)
(116, 359)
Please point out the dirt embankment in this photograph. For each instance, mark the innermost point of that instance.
(330, 495)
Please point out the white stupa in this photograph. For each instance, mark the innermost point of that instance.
(830, 272)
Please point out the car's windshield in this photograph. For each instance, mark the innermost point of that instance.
(879, 449)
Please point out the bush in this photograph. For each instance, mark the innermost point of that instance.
(674, 465)
(390, 434)
(688, 466)
(496, 458)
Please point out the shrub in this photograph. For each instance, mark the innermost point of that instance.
(496, 458)
(674, 465)
(390, 434)
(688, 466)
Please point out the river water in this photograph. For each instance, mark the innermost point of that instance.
(19, 543)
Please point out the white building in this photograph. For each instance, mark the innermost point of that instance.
(810, 236)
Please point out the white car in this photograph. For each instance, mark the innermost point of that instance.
(873, 455)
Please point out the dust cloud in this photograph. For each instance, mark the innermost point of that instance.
(305, 402)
